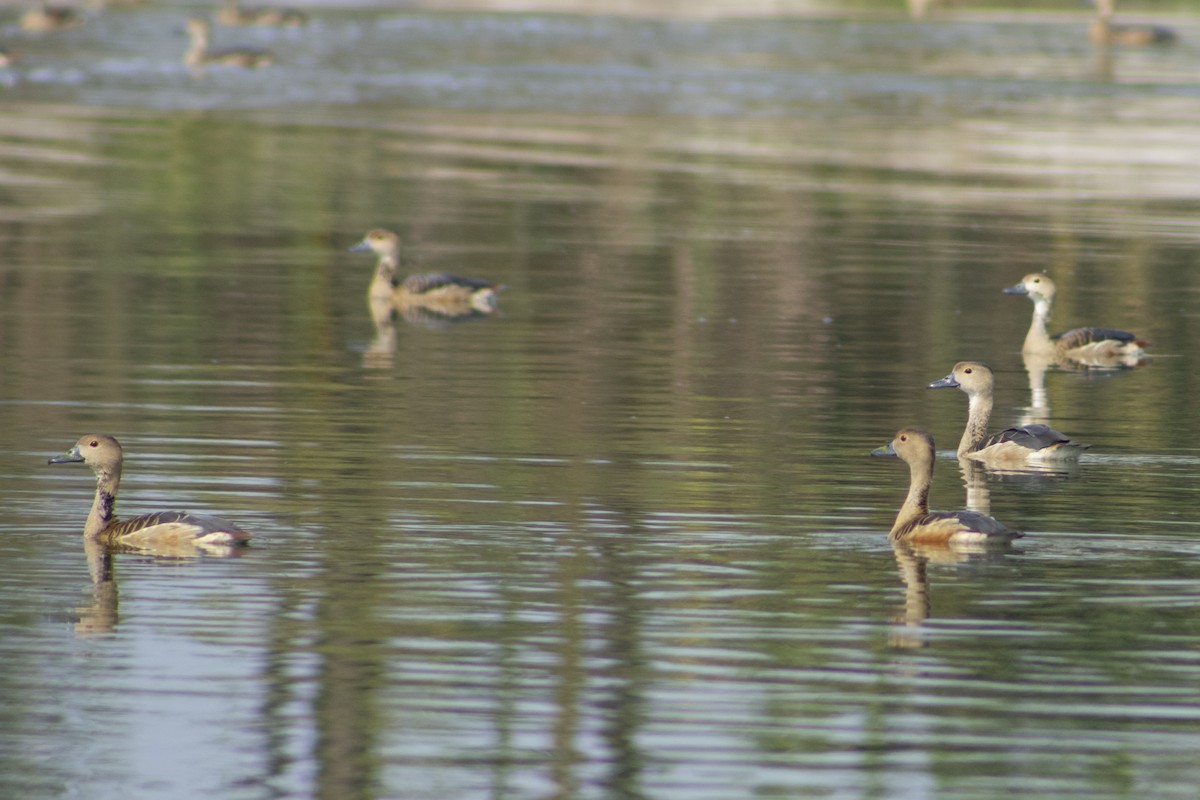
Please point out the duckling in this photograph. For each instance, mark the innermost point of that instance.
(1088, 346)
(915, 523)
(1102, 31)
(440, 293)
(198, 54)
(1037, 442)
(104, 455)
(42, 18)
(233, 13)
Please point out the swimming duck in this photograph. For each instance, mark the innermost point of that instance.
(198, 54)
(42, 18)
(103, 454)
(1103, 32)
(233, 13)
(442, 293)
(1036, 442)
(1092, 346)
(915, 523)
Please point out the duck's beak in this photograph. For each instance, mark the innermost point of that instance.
(72, 456)
(1018, 289)
(886, 451)
(947, 382)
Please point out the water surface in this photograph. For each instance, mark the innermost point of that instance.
(622, 539)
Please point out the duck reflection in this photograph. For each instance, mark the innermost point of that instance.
(99, 617)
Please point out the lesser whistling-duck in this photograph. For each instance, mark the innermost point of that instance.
(1087, 346)
(1024, 443)
(103, 454)
(915, 523)
(1103, 31)
(198, 54)
(233, 13)
(441, 293)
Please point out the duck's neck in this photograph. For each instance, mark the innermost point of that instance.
(917, 502)
(104, 506)
(384, 282)
(1037, 340)
(979, 411)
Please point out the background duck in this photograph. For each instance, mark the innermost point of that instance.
(104, 455)
(233, 13)
(42, 18)
(915, 523)
(1103, 31)
(1024, 443)
(443, 293)
(198, 54)
(1092, 346)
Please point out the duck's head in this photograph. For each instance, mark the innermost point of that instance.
(1037, 285)
(380, 242)
(911, 445)
(99, 451)
(973, 377)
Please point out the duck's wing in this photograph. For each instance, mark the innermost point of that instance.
(428, 282)
(1082, 337)
(175, 526)
(941, 527)
(1032, 437)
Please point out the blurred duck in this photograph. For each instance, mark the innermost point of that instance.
(233, 13)
(199, 55)
(1024, 443)
(1104, 32)
(42, 18)
(1091, 346)
(915, 523)
(440, 293)
(164, 529)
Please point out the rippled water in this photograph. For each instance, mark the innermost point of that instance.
(622, 539)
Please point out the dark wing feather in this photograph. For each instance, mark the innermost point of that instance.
(942, 525)
(204, 524)
(419, 284)
(1034, 437)
(1080, 337)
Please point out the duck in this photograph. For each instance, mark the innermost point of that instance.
(1024, 443)
(440, 293)
(915, 523)
(1087, 346)
(199, 55)
(233, 13)
(42, 18)
(103, 453)
(1103, 32)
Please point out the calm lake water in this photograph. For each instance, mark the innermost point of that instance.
(624, 539)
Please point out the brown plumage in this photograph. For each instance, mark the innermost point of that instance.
(1024, 443)
(447, 295)
(198, 54)
(1087, 346)
(915, 523)
(104, 455)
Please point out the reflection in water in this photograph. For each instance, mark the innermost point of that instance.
(100, 617)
